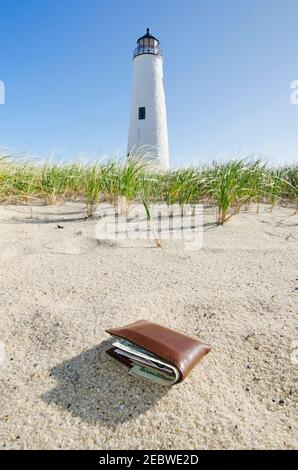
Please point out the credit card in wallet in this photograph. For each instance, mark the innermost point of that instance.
(141, 360)
(142, 355)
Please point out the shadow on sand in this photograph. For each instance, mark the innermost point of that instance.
(95, 388)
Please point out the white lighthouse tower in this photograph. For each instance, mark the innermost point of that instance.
(148, 119)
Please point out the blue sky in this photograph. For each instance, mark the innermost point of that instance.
(229, 64)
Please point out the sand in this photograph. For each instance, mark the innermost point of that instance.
(60, 288)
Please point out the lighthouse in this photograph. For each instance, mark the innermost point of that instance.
(148, 133)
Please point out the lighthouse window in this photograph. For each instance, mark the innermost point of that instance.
(142, 113)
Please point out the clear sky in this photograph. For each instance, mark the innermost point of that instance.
(229, 64)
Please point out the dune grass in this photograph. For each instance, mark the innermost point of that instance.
(229, 186)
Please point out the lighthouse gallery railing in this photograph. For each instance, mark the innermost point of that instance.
(147, 50)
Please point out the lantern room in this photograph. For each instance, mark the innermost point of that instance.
(147, 44)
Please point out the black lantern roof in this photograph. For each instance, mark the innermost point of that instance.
(147, 44)
(148, 35)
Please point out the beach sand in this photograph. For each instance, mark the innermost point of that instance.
(61, 287)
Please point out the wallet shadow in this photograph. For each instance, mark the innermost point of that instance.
(96, 388)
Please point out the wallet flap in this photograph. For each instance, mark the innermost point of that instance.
(177, 349)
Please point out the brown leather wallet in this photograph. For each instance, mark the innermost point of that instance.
(172, 347)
